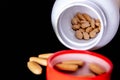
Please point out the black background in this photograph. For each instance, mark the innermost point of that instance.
(34, 35)
(4, 4)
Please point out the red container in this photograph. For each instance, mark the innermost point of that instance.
(87, 56)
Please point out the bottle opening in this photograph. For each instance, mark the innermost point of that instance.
(67, 34)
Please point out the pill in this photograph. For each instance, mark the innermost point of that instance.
(34, 67)
(76, 27)
(66, 67)
(77, 62)
(78, 34)
(97, 22)
(38, 60)
(89, 29)
(85, 25)
(80, 16)
(45, 55)
(96, 68)
(92, 22)
(86, 36)
(82, 30)
(92, 34)
(96, 30)
(87, 17)
(74, 21)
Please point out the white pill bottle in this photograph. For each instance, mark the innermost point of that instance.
(107, 11)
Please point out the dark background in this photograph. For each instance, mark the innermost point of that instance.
(4, 4)
(34, 35)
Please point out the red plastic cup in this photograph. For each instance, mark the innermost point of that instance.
(87, 56)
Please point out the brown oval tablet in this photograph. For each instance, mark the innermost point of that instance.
(86, 36)
(76, 27)
(66, 67)
(80, 16)
(87, 17)
(38, 60)
(45, 55)
(93, 34)
(77, 62)
(96, 68)
(34, 67)
(92, 22)
(89, 29)
(78, 34)
(74, 21)
(85, 25)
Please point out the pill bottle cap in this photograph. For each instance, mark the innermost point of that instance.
(87, 56)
